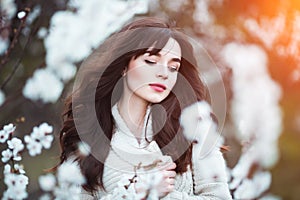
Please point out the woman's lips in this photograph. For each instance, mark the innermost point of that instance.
(158, 87)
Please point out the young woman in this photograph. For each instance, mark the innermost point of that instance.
(126, 106)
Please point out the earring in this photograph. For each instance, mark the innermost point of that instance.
(124, 72)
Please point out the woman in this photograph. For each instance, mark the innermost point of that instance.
(126, 106)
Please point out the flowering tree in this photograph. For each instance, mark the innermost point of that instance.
(245, 46)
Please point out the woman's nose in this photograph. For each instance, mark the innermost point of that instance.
(163, 72)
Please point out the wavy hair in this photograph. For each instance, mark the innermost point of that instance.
(88, 114)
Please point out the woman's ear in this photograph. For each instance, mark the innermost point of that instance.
(124, 71)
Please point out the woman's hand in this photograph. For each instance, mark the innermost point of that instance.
(166, 185)
(162, 179)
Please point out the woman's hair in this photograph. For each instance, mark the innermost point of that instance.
(88, 116)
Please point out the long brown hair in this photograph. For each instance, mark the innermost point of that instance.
(100, 86)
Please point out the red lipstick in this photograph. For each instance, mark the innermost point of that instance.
(158, 87)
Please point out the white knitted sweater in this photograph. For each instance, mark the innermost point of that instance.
(126, 152)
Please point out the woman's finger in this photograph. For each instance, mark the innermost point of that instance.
(169, 174)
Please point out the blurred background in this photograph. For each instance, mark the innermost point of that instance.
(54, 37)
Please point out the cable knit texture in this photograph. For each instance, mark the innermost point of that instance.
(126, 153)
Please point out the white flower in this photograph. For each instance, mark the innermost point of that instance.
(45, 197)
(65, 72)
(8, 7)
(16, 145)
(16, 180)
(251, 189)
(42, 33)
(46, 141)
(33, 146)
(19, 168)
(45, 128)
(249, 65)
(17, 157)
(2, 47)
(70, 172)
(6, 155)
(9, 128)
(147, 183)
(3, 136)
(70, 192)
(84, 148)
(195, 117)
(39, 138)
(36, 88)
(7, 169)
(199, 126)
(22, 180)
(62, 193)
(15, 193)
(47, 182)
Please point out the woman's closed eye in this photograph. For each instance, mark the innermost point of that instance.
(149, 61)
(173, 68)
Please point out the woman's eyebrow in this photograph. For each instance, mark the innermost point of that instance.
(176, 60)
(159, 55)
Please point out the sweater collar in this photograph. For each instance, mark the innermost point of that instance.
(122, 130)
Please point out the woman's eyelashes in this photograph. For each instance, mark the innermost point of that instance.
(148, 61)
(172, 67)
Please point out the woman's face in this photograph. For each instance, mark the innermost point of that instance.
(152, 77)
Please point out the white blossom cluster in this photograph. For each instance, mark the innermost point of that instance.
(39, 138)
(199, 127)
(16, 183)
(43, 85)
(142, 185)
(65, 185)
(125, 188)
(256, 114)
(8, 7)
(14, 174)
(147, 183)
(71, 38)
(6, 132)
(14, 144)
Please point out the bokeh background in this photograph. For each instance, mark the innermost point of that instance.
(272, 26)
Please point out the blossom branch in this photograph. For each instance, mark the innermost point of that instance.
(15, 39)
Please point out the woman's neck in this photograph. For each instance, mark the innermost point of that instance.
(133, 112)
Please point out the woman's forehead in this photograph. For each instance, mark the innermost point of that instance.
(171, 47)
